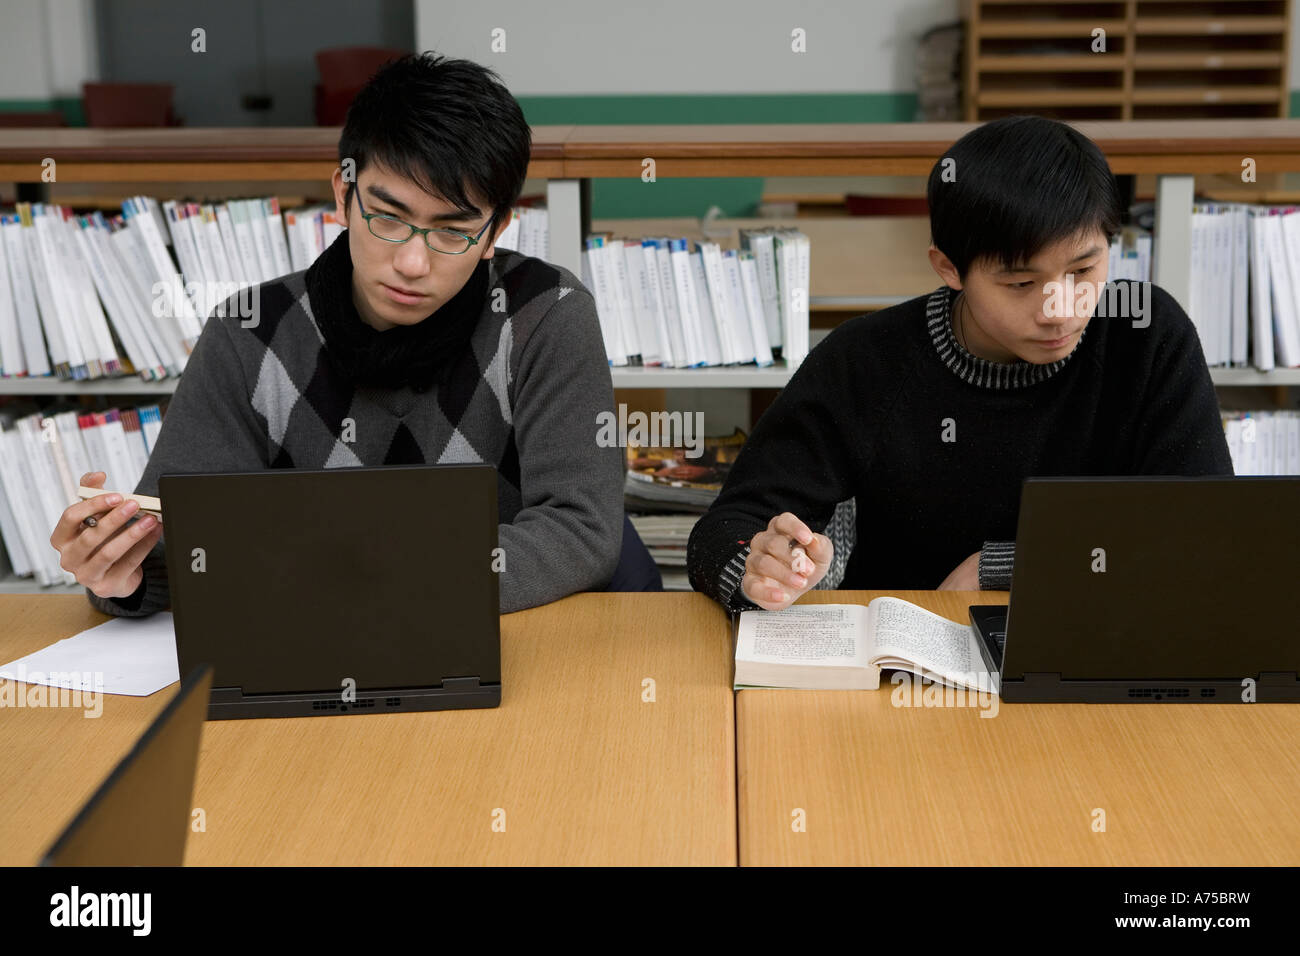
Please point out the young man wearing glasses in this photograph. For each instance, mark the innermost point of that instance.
(410, 340)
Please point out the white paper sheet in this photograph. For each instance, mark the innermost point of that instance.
(135, 656)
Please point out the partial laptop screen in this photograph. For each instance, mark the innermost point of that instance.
(140, 815)
(1136, 579)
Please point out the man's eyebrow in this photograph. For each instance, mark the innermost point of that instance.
(1095, 250)
(384, 196)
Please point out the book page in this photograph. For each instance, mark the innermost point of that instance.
(911, 638)
(804, 634)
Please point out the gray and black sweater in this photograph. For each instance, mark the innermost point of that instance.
(934, 443)
(524, 398)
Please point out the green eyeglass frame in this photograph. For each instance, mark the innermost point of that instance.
(470, 241)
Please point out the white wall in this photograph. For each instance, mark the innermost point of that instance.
(687, 46)
(694, 46)
(47, 48)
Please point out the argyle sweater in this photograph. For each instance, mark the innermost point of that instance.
(934, 443)
(525, 400)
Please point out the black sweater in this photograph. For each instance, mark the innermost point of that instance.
(865, 416)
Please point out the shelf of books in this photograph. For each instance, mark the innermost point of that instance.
(101, 305)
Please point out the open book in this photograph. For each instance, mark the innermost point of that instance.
(845, 646)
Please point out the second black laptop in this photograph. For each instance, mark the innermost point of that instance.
(1147, 589)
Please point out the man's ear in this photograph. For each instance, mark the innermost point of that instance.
(340, 196)
(944, 267)
(497, 228)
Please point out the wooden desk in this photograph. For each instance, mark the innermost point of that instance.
(1200, 784)
(586, 772)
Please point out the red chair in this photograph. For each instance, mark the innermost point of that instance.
(343, 72)
(128, 104)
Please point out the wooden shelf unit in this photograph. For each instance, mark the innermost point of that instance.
(1163, 59)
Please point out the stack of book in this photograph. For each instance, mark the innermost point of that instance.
(1244, 298)
(1217, 300)
(529, 233)
(938, 74)
(42, 459)
(1263, 443)
(665, 537)
(665, 492)
(1130, 255)
(1272, 263)
(93, 296)
(662, 303)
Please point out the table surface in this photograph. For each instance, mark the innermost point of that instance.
(585, 771)
(1195, 784)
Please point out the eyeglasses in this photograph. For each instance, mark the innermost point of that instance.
(391, 229)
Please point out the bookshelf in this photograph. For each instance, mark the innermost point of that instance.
(1163, 58)
(567, 158)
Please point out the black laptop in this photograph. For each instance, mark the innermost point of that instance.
(140, 815)
(1150, 590)
(337, 591)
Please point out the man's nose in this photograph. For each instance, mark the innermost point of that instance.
(413, 257)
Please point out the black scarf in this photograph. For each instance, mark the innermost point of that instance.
(419, 355)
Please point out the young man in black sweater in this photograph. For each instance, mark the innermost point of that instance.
(931, 414)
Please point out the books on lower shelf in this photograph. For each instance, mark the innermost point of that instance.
(1263, 443)
(42, 459)
(665, 492)
(663, 304)
(845, 647)
(665, 478)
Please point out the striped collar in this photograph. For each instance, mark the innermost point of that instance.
(971, 368)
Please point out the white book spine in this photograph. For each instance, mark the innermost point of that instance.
(714, 283)
(688, 305)
(226, 224)
(653, 293)
(29, 320)
(156, 311)
(92, 311)
(595, 278)
(275, 230)
(1285, 259)
(643, 307)
(738, 307)
(762, 244)
(13, 484)
(754, 304)
(622, 294)
(11, 348)
(708, 324)
(70, 440)
(668, 299)
(1240, 281)
(50, 296)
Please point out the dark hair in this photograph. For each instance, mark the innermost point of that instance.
(442, 123)
(1020, 183)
